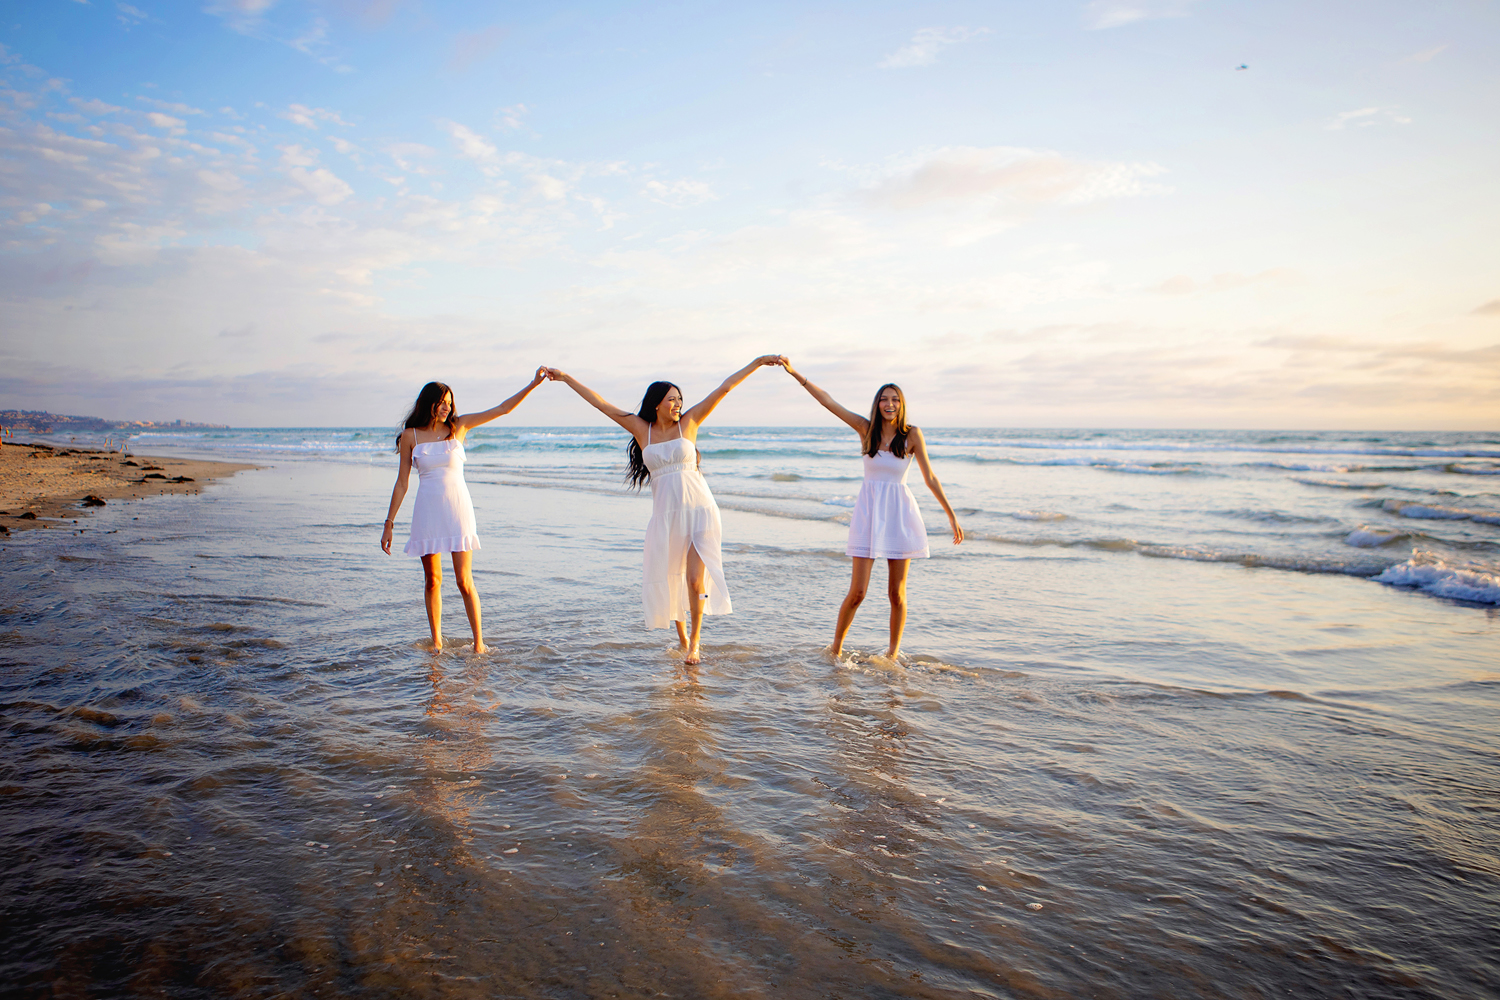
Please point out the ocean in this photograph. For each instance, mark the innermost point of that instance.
(1189, 714)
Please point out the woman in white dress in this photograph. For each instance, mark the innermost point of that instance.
(886, 523)
(684, 570)
(442, 518)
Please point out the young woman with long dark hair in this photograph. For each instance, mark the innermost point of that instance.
(886, 523)
(684, 571)
(442, 518)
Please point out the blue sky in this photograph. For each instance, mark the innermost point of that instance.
(280, 212)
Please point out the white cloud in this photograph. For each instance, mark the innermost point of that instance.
(346, 147)
(999, 175)
(1366, 117)
(94, 107)
(679, 193)
(925, 45)
(511, 117)
(165, 121)
(129, 15)
(410, 156)
(249, 17)
(1426, 55)
(322, 184)
(1182, 284)
(549, 187)
(134, 243)
(301, 114)
(470, 144)
(1101, 14)
(176, 109)
(243, 15)
(297, 156)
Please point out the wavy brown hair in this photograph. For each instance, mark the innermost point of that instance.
(877, 424)
(425, 409)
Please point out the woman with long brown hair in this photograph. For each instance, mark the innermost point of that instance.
(442, 518)
(684, 570)
(886, 523)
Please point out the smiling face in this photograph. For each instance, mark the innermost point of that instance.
(669, 410)
(889, 403)
(443, 410)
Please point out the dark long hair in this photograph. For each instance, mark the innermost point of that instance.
(425, 408)
(638, 475)
(877, 424)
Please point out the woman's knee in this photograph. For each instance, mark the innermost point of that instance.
(856, 595)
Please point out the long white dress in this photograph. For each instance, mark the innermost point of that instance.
(683, 514)
(442, 519)
(886, 523)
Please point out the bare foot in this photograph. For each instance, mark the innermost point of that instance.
(480, 647)
(692, 656)
(893, 653)
(437, 644)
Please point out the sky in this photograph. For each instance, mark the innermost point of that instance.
(1084, 213)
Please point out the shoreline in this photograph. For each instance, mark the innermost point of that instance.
(43, 486)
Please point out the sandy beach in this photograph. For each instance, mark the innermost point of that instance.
(42, 486)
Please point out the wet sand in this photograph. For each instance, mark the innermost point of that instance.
(231, 768)
(42, 486)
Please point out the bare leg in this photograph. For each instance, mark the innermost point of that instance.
(896, 587)
(859, 582)
(681, 637)
(463, 563)
(432, 569)
(696, 594)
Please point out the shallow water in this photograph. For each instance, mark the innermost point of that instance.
(231, 769)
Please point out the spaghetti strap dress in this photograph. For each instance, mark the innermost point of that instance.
(683, 515)
(886, 523)
(442, 519)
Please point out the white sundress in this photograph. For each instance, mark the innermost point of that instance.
(442, 519)
(886, 523)
(683, 515)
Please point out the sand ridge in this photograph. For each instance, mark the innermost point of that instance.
(52, 484)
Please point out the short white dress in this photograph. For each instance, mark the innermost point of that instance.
(683, 515)
(442, 519)
(886, 523)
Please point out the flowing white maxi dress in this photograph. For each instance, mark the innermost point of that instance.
(683, 514)
(886, 523)
(442, 519)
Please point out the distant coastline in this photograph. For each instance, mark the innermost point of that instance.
(42, 422)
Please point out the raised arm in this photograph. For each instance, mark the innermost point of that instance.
(407, 441)
(632, 423)
(485, 416)
(860, 425)
(918, 448)
(700, 412)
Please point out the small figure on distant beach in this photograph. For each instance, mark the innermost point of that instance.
(886, 523)
(442, 517)
(684, 569)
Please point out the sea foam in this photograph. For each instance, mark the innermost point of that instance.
(1441, 512)
(1367, 537)
(1433, 576)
